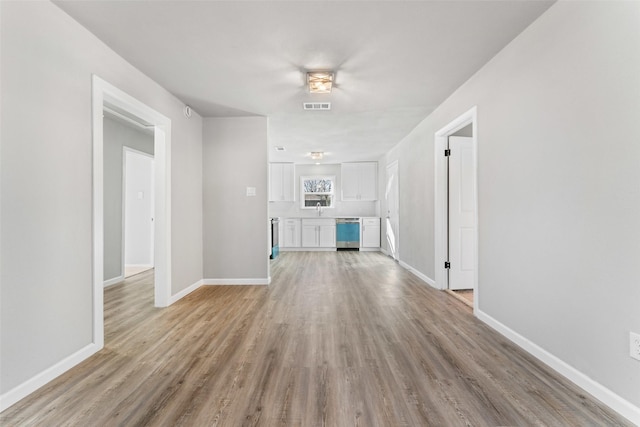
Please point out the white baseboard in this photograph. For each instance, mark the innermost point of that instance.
(138, 266)
(26, 388)
(369, 249)
(606, 396)
(236, 281)
(384, 251)
(183, 293)
(113, 281)
(422, 276)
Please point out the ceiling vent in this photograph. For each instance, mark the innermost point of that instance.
(317, 105)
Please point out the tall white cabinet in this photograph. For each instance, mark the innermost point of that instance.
(359, 181)
(281, 182)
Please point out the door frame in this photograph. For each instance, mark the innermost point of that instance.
(103, 91)
(441, 214)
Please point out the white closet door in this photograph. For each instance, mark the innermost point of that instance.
(462, 215)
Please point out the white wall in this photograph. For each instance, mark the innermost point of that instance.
(559, 189)
(47, 60)
(116, 136)
(293, 209)
(186, 199)
(235, 225)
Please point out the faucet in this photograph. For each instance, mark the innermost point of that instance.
(319, 209)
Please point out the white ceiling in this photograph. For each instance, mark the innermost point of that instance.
(395, 61)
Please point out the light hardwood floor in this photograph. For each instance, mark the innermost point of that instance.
(338, 339)
(132, 271)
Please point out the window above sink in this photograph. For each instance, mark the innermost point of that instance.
(317, 191)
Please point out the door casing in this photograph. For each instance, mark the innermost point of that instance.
(102, 92)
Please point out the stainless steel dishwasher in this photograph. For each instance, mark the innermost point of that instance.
(348, 234)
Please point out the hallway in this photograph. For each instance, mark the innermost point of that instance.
(337, 339)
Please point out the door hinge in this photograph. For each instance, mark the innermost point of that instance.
(447, 264)
(447, 152)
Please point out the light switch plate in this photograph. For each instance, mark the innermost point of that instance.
(251, 191)
(634, 345)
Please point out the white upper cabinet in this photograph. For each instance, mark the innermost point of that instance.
(281, 182)
(350, 181)
(360, 181)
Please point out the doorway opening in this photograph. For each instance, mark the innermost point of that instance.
(138, 211)
(127, 195)
(456, 208)
(103, 93)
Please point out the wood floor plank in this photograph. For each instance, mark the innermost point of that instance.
(337, 339)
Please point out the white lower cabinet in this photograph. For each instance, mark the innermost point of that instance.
(370, 233)
(291, 233)
(310, 236)
(327, 235)
(319, 233)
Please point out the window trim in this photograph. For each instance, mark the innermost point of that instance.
(332, 178)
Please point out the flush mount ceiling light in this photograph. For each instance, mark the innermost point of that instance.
(320, 81)
(317, 155)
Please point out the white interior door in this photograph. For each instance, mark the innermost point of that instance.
(392, 217)
(138, 209)
(462, 215)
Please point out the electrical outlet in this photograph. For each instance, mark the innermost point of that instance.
(634, 345)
